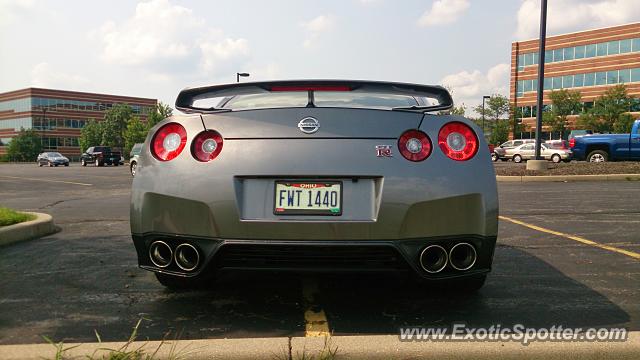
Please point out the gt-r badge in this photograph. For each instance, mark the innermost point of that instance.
(383, 151)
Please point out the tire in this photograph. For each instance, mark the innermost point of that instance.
(133, 168)
(66, 164)
(494, 157)
(83, 162)
(178, 283)
(56, 165)
(517, 158)
(556, 158)
(50, 164)
(98, 163)
(40, 164)
(598, 156)
(115, 164)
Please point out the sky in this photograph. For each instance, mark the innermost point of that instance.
(155, 48)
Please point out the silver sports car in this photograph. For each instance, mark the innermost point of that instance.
(315, 175)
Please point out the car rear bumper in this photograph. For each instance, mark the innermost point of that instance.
(315, 256)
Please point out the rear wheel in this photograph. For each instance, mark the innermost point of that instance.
(598, 156)
(182, 283)
(134, 167)
(556, 158)
(40, 164)
(517, 158)
(98, 163)
(50, 164)
(494, 157)
(83, 162)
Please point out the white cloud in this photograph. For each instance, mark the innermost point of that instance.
(316, 26)
(443, 12)
(469, 87)
(227, 50)
(12, 10)
(43, 75)
(575, 15)
(166, 38)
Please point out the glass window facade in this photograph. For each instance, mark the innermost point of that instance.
(580, 52)
(580, 80)
(16, 124)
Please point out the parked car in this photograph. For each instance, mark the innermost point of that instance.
(52, 159)
(608, 147)
(134, 156)
(558, 144)
(99, 156)
(315, 175)
(500, 152)
(528, 152)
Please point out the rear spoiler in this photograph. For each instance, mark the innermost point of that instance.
(188, 96)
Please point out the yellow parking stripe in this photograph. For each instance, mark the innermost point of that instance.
(632, 254)
(316, 323)
(45, 180)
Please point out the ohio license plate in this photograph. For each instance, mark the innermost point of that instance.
(308, 198)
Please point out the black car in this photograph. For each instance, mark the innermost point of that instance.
(99, 156)
(52, 159)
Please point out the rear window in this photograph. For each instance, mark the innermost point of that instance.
(321, 99)
(101, 149)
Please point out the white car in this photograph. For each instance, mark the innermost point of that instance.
(528, 152)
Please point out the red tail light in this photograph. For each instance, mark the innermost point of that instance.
(168, 141)
(572, 142)
(207, 145)
(414, 145)
(458, 141)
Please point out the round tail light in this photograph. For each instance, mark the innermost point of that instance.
(207, 145)
(458, 141)
(168, 142)
(414, 145)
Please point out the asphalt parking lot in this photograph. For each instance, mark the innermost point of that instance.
(85, 277)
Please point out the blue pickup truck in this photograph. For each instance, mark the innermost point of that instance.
(608, 147)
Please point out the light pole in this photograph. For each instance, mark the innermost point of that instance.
(543, 34)
(483, 99)
(238, 75)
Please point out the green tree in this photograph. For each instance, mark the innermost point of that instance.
(623, 124)
(91, 134)
(607, 110)
(159, 113)
(499, 132)
(497, 107)
(115, 124)
(25, 146)
(458, 110)
(565, 102)
(136, 132)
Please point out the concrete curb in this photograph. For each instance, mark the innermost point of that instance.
(348, 347)
(542, 178)
(41, 226)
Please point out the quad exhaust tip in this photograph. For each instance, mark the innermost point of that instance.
(462, 256)
(160, 254)
(187, 257)
(433, 259)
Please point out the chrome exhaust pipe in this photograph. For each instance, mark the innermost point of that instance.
(187, 257)
(433, 259)
(160, 254)
(462, 256)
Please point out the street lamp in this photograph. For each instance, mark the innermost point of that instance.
(238, 75)
(483, 99)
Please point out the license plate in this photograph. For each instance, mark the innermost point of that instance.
(308, 198)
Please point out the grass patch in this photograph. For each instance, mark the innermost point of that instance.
(10, 217)
(128, 351)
